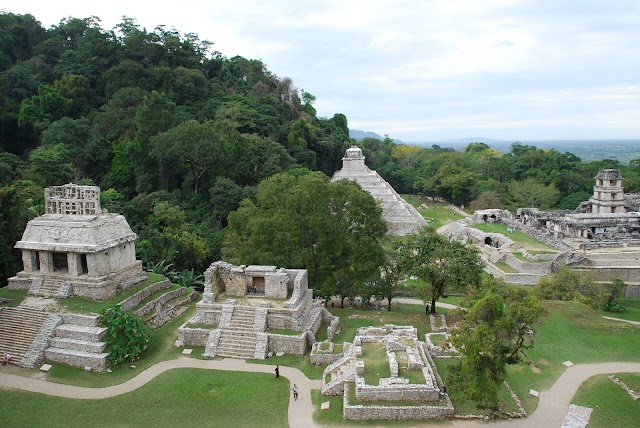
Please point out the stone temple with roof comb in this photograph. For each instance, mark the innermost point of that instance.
(401, 217)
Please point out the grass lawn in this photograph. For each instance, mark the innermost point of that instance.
(436, 214)
(302, 363)
(17, 295)
(80, 305)
(575, 332)
(505, 268)
(525, 240)
(401, 314)
(631, 312)
(612, 405)
(376, 363)
(178, 398)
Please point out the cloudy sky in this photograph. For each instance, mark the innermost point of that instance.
(425, 70)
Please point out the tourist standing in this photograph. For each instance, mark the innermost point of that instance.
(277, 371)
(295, 392)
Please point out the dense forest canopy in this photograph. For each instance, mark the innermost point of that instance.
(178, 135)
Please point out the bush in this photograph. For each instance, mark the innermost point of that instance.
(569, 284)
(127, 335)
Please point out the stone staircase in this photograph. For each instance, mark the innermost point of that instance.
(342, 371)
(237, 344)
(50, 287)
(78, 342)
(239, 337)
(19, 328)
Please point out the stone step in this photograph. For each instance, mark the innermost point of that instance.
(78, 332)
(97, 362)
(77, 345)
(18, 329)
(84, 320)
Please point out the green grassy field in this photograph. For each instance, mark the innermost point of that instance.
(631, 311)
(177, 398)
(80, 305)
(436, 214)
(16, 297)
(612, 406)
(571, 331)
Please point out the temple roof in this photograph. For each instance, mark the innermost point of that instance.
(76, 233)
(609, 174)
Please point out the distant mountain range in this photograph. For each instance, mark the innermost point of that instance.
(622, 150)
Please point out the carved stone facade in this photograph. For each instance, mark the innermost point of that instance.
(76, 249)
(401, 217)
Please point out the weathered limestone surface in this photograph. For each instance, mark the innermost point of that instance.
(76, 249)
(401, 217)
(242, 302)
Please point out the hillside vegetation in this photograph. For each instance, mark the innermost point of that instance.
(177, 135)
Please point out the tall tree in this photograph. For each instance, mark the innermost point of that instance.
(495, 332)
(441, 263)
(302, 220)
(190, 143)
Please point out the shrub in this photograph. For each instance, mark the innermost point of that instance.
(127, 335)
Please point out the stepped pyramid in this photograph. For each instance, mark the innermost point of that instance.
(401, 217)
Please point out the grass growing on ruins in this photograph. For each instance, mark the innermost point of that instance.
(17, 297)
(571, 331)
(521, 238)
(80, 305)
(376, 363)
(179, 397)
(505, 267)
(524, 259)
(284, 332)
(612, 405)
(401, 314)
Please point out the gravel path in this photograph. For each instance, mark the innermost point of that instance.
(551, 410)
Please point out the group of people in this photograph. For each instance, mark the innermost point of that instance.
(295, 387)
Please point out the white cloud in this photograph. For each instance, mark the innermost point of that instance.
(425, 70)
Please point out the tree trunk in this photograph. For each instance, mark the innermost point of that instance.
(389, 297)
(433, 304)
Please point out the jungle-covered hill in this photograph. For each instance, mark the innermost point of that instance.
(177, 135)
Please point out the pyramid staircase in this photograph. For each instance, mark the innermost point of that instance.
(78, 342)
(19, 328)
(401, 217)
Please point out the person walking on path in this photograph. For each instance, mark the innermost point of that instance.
(295, 392)
(277, 371)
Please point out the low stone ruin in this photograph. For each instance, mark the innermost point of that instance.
(423, 400)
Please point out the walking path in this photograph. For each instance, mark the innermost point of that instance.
(552, 407)
(621, 320)
(300, 412)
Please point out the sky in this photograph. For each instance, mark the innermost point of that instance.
(422, 71)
